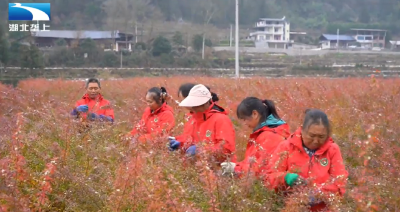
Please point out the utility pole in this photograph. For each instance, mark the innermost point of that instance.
(208, 17)
(204, 40)
(237, 40)
(136, 32)
(121, 57)
(337, 40)
(141, 36)
(230, 37)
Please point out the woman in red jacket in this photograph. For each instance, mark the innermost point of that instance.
(180, 140)
(93, 106)
(269, 130)
(212, 126)
(309, 157)
(158, 118)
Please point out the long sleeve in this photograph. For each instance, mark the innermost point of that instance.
(110, 113)
(248, 161)
(186, 137)
(277, 167)
(224, 143)
(338, 174)
(164, 126)
(75, 112)
(267, 146)
(139, 127)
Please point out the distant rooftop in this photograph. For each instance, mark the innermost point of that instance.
(68, 34)
(336, 37)
(297, 33)
(395, 42)
(273, 19)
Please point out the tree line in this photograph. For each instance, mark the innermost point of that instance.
(160, 52)
(304, 14)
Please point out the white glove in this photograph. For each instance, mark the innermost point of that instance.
(228, 167)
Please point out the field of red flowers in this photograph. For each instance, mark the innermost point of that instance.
(46, 165)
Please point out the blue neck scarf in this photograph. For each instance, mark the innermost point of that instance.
(270, 122)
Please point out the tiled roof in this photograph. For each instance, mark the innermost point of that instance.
(273, 19)
(76, 34)
(336, 37)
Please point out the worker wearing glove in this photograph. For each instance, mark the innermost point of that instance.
(158, 117)
(82, 108)
(93, 102)
(228, 168)
(269, 130)
(191, 151)
(173, 144)
(311, 153)
(185, 140)
(293, 179)
(211, 126)
(101, 117)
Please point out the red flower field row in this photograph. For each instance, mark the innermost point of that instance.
(46, 165)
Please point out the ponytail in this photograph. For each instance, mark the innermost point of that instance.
(264, 107)
(164, 94)
(270, 108)
(215, 97)
(160, 93)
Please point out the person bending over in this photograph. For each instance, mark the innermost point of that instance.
(310, 158)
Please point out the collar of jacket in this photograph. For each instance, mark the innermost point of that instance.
(271, 122)
(163, 107)
(282, 130)
(214, 108)
(98, 98)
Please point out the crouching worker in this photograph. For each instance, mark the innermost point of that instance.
(211, 126)
(158, 118)
(269, 130)
(309, 158)
(93, 106)
(181, 141)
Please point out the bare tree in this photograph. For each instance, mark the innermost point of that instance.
(113, 10)
(208, 9)
(126, 14)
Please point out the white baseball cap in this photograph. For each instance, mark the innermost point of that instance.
(198, 95)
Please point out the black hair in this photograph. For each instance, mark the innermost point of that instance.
(264, 107)
(92, 80)
(316, 116)
(160, 93)
(184, 89)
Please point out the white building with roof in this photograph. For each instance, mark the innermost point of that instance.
(113, 40)
(395, 45)
(330, 41)
(272, 33)
(370, 38)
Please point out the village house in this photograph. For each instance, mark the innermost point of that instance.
(107, 40)
(395, 45)
(329, 41)
(272, 33)
(369, 38)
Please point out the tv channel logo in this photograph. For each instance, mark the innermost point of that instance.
(29, 11)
